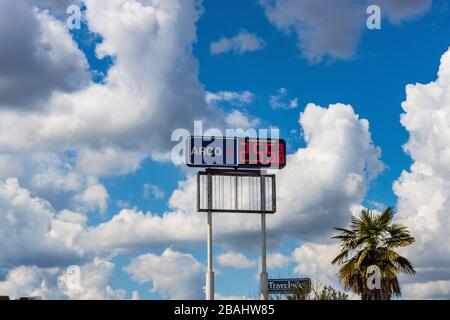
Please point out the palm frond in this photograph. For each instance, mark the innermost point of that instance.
(371, 240)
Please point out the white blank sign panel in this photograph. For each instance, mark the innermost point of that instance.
(236, 193)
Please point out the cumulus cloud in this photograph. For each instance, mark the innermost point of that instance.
(235, 98)
(314, 260)
(240, 43)
(235, 260)
(333, 28)
(277, 260)
(108, 161)
(57, 8)
(238, 260)
(92, 130)
(323, 27)
(436, 290)
(80, 131)
(131, 229)
(422, 195)
(399, 10)
(111, 127)
(237, 119)
(423, 191)
(280, 101)
(151, 190)
(33, 233)
(95, 197)
(37, 57)
(219, 296)
(333, 172)
(55, 177)
(160, 270)
(55, 283)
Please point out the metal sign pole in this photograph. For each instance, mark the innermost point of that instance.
(264, 282)
(209, 271)
(253, 153)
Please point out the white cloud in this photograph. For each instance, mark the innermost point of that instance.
(56, 7)
(53, 283)
(153, 191)
(72, 217)
(424, 191)
(323, 27)
(30, 281)
(54, 176)
(77, 134)
(237, 119)
(235, 98)
(423, 194)
(108, 161)
(398, 11)
(219, 296)
(111, 127)
(161, 270)
(240, 43)
(277, 260)
(236, 260)
(333, 28)
(94, 284)
(131, 229)
(332, 172)
(93, 198)
(37, 57)
(135, 295)
(314, 261)
(33, 232)
(98, 130)
(280, 101)
(436, 290)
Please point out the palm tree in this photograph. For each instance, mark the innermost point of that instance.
(371, 241)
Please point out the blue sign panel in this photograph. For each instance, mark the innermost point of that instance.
(287, 286)
(211, 151)
(235, 152)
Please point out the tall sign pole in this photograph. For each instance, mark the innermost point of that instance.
(209, 271)
(235, 154)
(264, 278)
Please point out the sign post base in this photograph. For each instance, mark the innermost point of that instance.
(209, 285)
(264, 283)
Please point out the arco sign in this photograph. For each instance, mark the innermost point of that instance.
(235, 152)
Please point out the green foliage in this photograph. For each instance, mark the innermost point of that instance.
(329, 293)
(305, 292)
(370, 240)
(301, 292)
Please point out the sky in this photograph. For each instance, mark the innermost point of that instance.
(87, 115)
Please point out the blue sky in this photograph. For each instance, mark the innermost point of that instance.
(371, 78)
